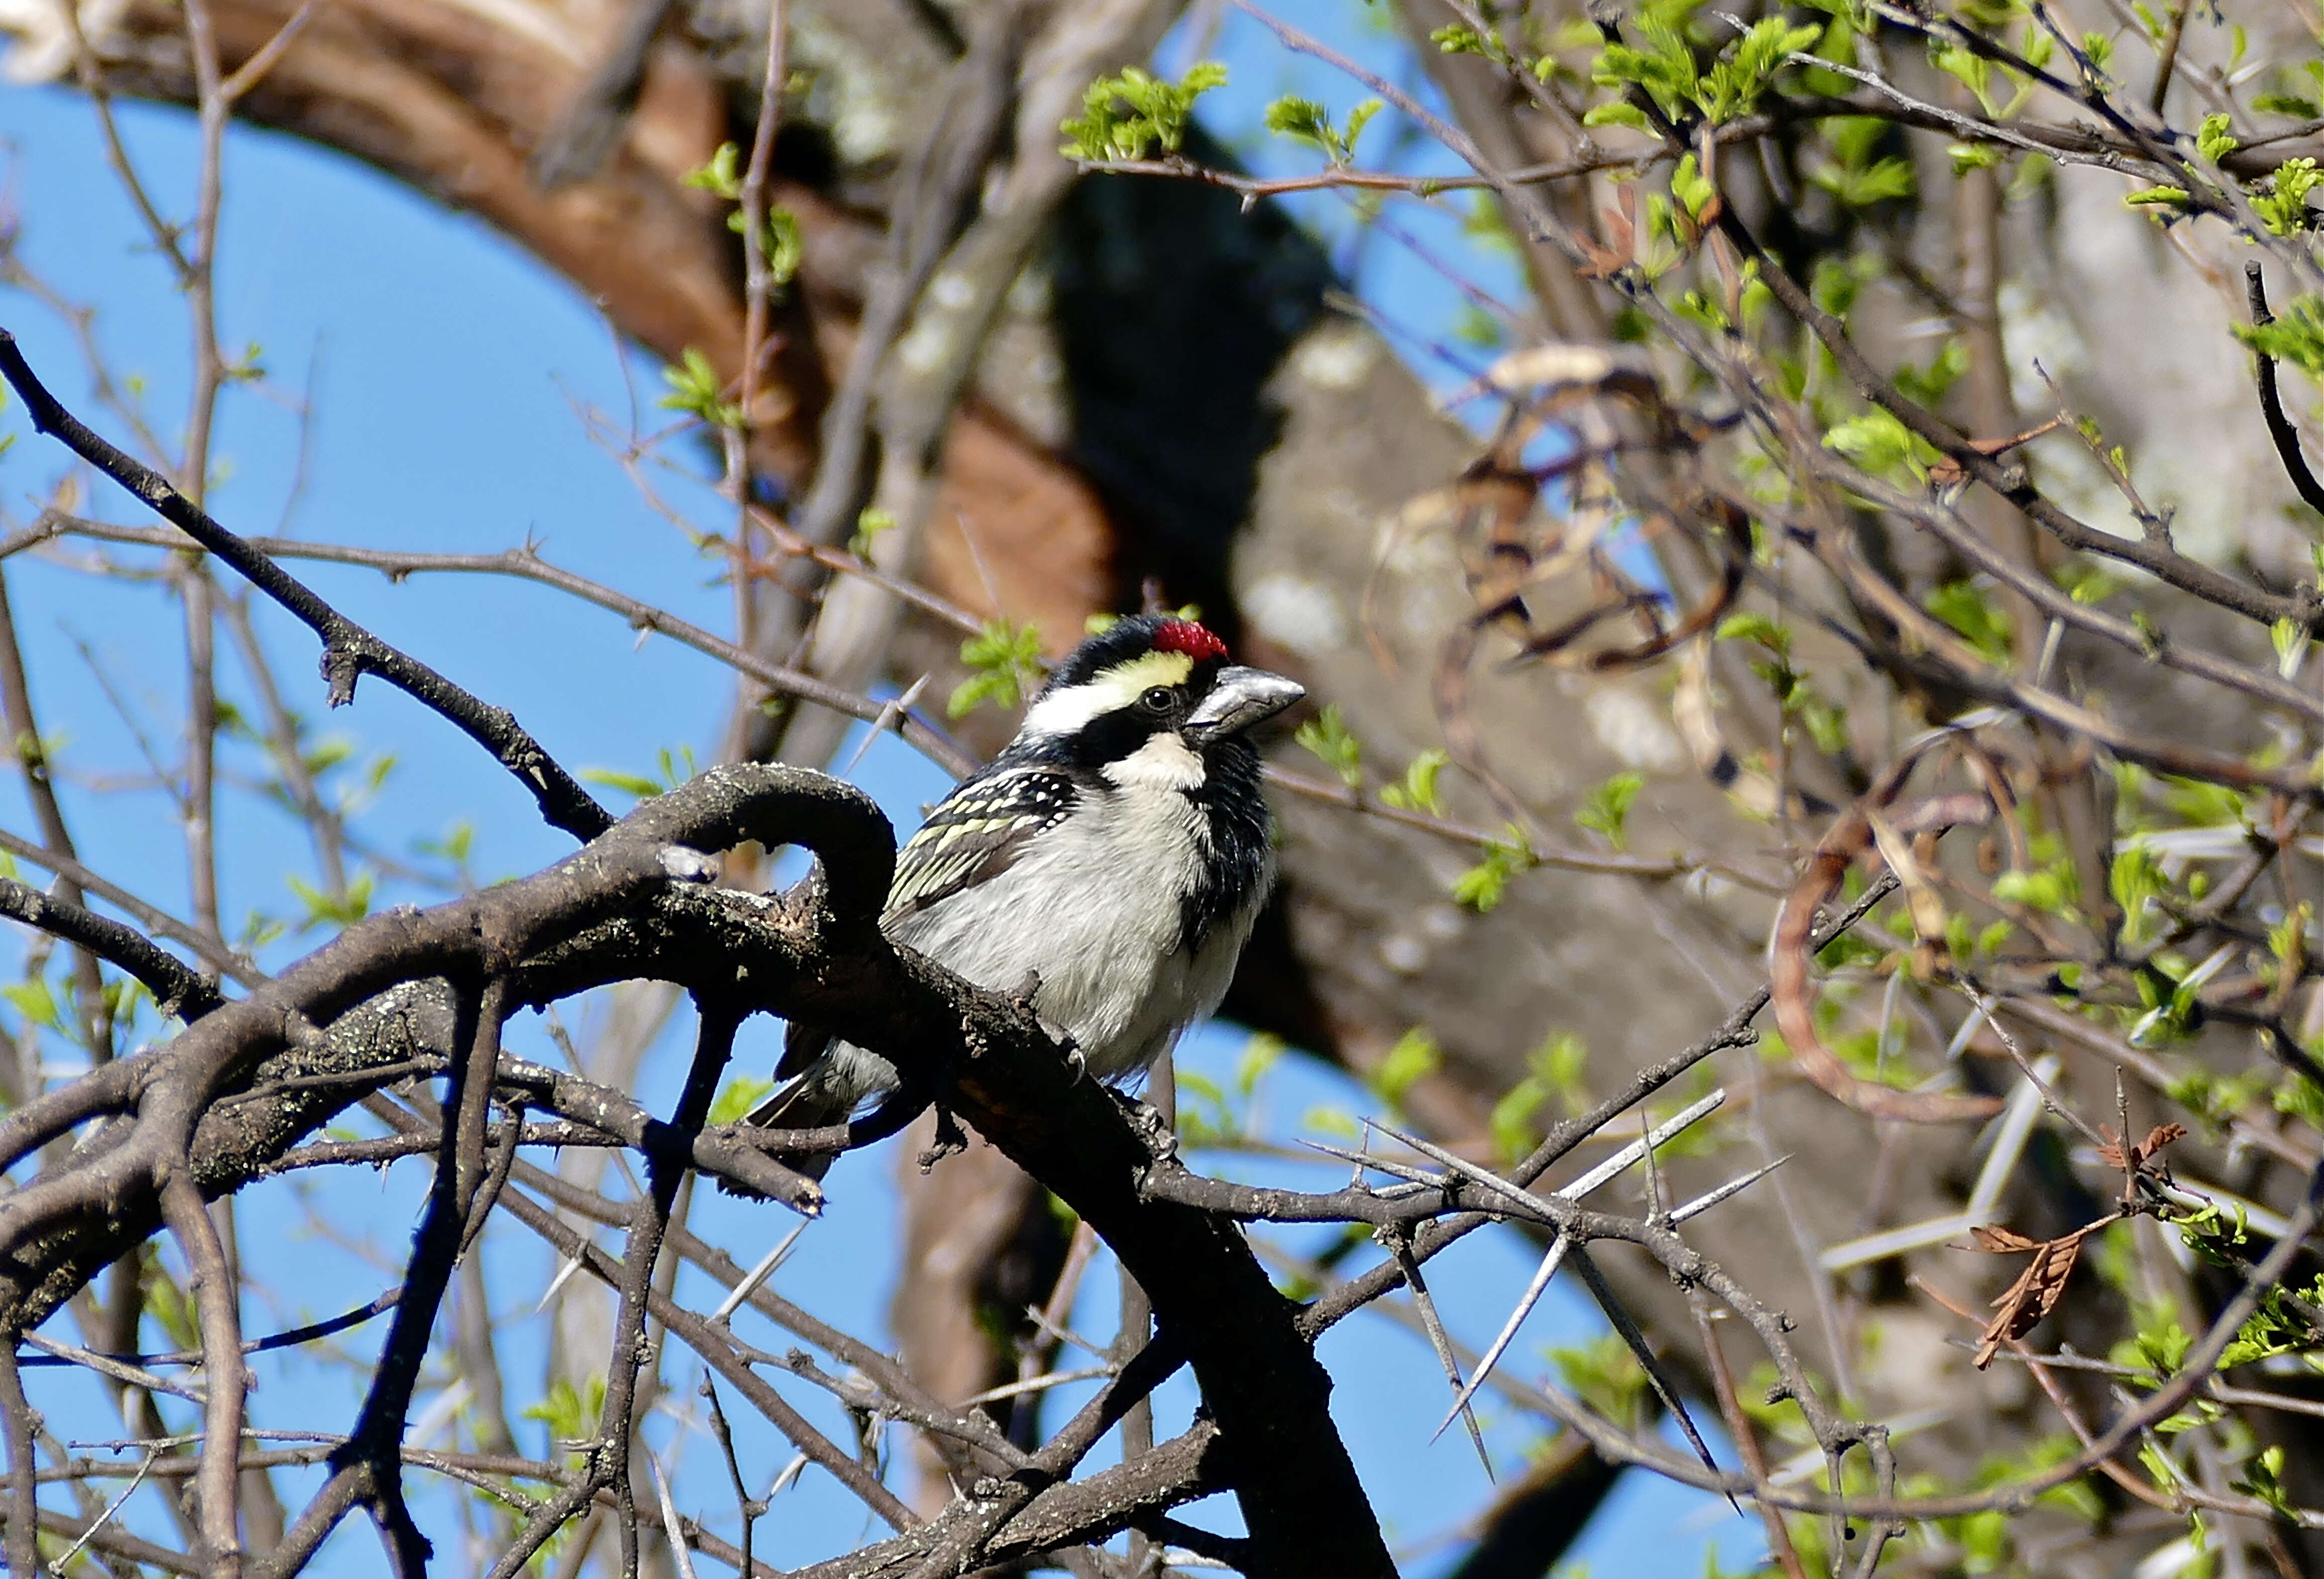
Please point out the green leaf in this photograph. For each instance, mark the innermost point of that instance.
(1329, 738)
(1475, 327)
(696, 389)
(2136, 881)
(2286, 104)
(1483, 886)
(1971, 69)
(35, 1000)
(2039, 888)
(1413, 1056)
(1970, 156)
(1122, 117)
(570, 1413)
(1964, 606)
(1005, 667)
(1457, 40)
(1887, 181)
(2164, 1348)
(1609, 807)
(1662, 63)
(1605, 1375)
(869, 524)
(1749, 626)
(2283, 208)
(1735, 84)
(1418, 791)
(1310, 121)
(323, 909)
(1510, 1123)
(1618, 112)
(636, 784)
(1879, 443)
(456, 844)
(2213, 141)
(1302, 118)
(1927, 386)
(2263, 1476)
(2299, 1097)
(1691, 188)
(722, 176)
(2290, 640)
(2297, 334)
(1259, 1056)
(785, 247)
(737, 1098)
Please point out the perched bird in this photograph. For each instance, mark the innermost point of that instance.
(1115, 854)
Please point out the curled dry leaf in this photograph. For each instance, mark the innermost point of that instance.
(2020, 1307)
(1789, 973)
(2130, 1159)
(1695, 712)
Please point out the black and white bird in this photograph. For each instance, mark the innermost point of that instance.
(1116, 853)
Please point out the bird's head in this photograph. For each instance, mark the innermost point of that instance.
(1151, 699)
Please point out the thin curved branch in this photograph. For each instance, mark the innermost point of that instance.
(2271, 400)
(157, 921)
(179, 992)
(524, 564)
(350, 651)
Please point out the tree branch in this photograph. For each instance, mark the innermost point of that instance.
(349, 651)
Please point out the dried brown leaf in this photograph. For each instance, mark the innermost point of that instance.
(2000, 1241)
(2021, 1306)
(2130, 1159)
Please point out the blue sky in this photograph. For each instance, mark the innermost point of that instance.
(447, 379)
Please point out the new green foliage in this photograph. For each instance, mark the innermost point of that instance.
(1126, 116)
(1334, 745)
(1310, 121)
(1004, 661)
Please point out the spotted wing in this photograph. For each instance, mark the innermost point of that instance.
(975, 834)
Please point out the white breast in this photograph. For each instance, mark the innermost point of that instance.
(1095, 912)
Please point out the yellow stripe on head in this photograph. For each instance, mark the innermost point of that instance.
(1106, 691)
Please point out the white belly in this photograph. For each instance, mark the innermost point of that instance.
(1097, 918)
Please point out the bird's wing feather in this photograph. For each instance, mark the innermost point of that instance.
(975, 834)
(802, 1046)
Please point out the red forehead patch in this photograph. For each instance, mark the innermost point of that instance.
(1196, 641)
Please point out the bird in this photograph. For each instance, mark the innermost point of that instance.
(1112, 859)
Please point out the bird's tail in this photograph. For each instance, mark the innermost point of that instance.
(807, 1101)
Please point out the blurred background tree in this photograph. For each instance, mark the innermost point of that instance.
(1631, 509)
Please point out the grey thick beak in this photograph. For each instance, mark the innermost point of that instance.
(1239, 698)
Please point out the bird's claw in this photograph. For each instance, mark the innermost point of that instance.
(1027, 991)
(949, 1141)
(1161, 1140)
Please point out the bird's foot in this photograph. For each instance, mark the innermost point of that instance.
(1023, 998)
(949, 1141)
(1153, 1129)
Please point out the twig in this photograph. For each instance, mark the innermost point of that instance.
(2280, 430)
(176, 991)
(349, 651)
(16, 1423)
(217, 1297)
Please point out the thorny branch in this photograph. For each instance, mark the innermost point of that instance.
(350, 651)
(136, 1147)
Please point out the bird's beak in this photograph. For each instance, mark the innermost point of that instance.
(1239, 698)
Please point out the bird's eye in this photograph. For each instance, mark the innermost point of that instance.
(1157, 699)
